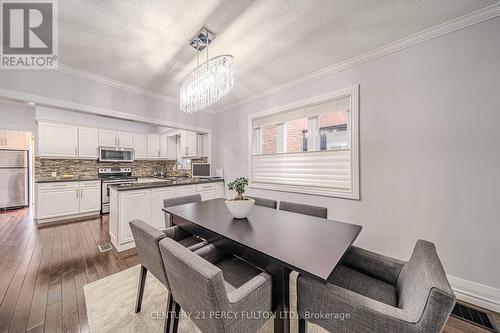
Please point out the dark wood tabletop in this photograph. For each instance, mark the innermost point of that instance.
(309, 245)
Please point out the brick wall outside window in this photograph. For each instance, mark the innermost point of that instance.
(294, 134)
(269, 140)
(332, 119)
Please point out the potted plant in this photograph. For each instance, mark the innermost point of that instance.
(240, 206)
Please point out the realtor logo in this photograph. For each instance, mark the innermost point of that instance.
(29, 34)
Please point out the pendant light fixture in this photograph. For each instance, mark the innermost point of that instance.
(210, 81)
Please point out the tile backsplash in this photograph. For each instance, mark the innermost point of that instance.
(88, 168)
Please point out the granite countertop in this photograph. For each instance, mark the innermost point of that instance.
(61, 179)
(165, 183)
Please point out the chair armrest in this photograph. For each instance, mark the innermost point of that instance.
(365, 314)
(176, 233)
(260, 284)
(381, 267)
(212, 253)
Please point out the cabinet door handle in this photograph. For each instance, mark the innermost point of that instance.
(76, 151)
(81, 193)
(118, 141)
(77, 191)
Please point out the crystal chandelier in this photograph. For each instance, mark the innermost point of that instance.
(208, 82)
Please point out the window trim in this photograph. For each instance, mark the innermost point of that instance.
(353, 91)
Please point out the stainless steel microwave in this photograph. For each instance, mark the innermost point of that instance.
(116, 154)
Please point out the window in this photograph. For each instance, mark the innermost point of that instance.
(310, 147)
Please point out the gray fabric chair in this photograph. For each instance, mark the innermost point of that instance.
(146, 240)
(293, 207)
(381, 294)
(216, 285)
(176, 202)
(265, 202)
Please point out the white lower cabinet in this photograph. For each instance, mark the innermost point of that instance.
(134, 205)
(90, 196)
(63, 200)
(146, 205)
(157, 197)
(57, 200)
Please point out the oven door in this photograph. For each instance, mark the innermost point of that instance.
(116, 154)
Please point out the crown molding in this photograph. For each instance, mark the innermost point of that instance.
(66, 69)
(459, 23)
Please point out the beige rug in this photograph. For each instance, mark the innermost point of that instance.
(111, 303)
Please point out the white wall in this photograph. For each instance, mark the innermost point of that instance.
(429, 150)
(17, 116)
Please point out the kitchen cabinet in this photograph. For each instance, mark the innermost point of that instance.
(146, 205)
(126, 206)
(172, 147)
(157, 197)
(163, 146)
(90, 196)
(56, 140)
(88, 142)
(153, 146)
(111, 138)
(63, 200)
(202, 145)
(125, 139)
(188, 144)
(140, 146)
(15, 140)
(57, 199)
(207, 191)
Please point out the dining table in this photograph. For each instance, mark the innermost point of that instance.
(275, 240)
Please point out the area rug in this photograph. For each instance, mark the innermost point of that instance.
(111, 302)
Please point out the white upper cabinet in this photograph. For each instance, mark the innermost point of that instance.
(110, 138)
(172, 147)
(202, 145)
(163, 146)
(12, 139)
(140, 146)
(125, 139)
(107, 138)
(88, 142)
(56, 140)
(188, 143)
(153, 146)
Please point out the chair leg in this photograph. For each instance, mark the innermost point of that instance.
(177, 315)
(302, 325)
(140, 289)
(168, 314)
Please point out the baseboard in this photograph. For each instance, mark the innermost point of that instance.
(475, 293)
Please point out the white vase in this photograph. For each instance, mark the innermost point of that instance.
(240, 208)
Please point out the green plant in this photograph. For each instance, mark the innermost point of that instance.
(238, 185)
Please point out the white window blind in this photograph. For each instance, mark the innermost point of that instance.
(308, 148)
(325, 171)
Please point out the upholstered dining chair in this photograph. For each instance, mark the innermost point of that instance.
(146, 240)
(216, 284)
(380, 294)
(265, 202)
(178, 201)
(310, 210)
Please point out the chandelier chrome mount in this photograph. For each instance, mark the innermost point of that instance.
(210, 81)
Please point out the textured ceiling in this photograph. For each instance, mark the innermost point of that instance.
(144, 43)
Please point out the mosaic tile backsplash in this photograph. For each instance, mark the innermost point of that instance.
(88, 168)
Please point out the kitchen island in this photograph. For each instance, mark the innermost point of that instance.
(144, 201)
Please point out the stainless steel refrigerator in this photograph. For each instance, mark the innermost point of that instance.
(13, 178)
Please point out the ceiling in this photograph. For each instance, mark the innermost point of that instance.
(145, 43)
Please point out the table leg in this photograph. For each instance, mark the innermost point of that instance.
(281, 299)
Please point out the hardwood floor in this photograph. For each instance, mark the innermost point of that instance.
(42, 272)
